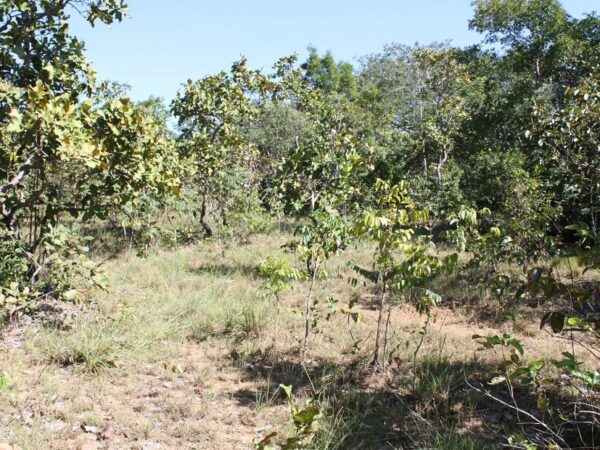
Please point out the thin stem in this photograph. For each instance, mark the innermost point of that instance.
(307, 316)
(416, 353)
(385, 334)
(379, 322)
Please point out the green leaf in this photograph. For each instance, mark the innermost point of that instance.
(555, 319)
(288, 391)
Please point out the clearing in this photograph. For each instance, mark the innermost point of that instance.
(182, 352)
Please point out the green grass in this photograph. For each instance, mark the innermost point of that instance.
(153, 305)
(91, 348)
(436, 378)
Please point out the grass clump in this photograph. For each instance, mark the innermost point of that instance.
(92, 347)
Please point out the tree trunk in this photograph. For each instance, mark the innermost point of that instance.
(593, 209)
(385, 333)
(440, 165)
(205, 225)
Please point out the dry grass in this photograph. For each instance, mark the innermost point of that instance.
(183, 353)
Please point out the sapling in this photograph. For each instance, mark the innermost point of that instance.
(401, 262)
(317, 179)
(306, 424)
(326, 234)
(278, 274)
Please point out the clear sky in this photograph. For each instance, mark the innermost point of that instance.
(165, 42)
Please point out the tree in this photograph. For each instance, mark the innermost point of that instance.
(210, 113)
(317, 180)
(534, 32)
(567, 153)
(444, 95)
(274, 132)
(36, 43)
(61, 152)
(390, 224)
(390, 83)
(544, 46)
(329, 76)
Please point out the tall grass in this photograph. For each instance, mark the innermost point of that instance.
(154, 304)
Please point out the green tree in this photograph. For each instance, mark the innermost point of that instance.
(211, 113)
(329, 76)
(317, 179)
(274, 132)
(63, 152)
(444, 97)
(567, 153)
(534, 32)
(401, 262)
(36, 43)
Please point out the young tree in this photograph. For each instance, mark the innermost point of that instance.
(317, 179)
(210, 113)
(401, 263)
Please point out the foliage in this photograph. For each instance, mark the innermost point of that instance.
(306, 424)
(323, 73)
(443, 93)
(321, 167)
(210, 114)
(534, 32)
(519, 202)
(315, 181)
(277, 273)
(401, 263)
(62, 152)
(577, 323)
(274, 132)
(440, 198)
(36, 44)
(567, 153)
(492, 149)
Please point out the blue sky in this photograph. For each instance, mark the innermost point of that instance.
(164, 43)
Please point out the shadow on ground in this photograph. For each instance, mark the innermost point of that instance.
(375, 409)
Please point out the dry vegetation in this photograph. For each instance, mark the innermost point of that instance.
(182, 352)
(419, 155)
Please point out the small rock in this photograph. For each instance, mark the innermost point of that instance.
(89, 429)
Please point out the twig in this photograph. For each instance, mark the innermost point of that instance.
(26, 399)
(518, 410)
